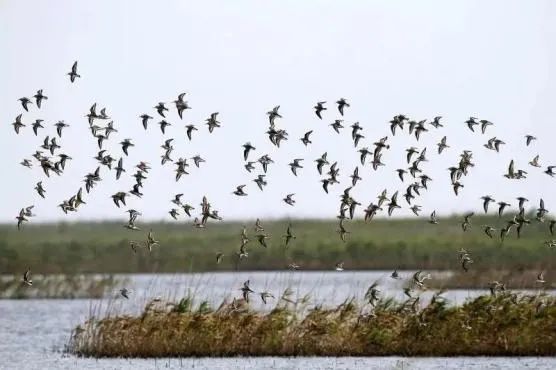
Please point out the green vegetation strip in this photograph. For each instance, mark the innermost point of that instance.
(503, 325)
(382, 244)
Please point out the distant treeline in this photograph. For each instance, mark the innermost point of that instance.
(382, 244)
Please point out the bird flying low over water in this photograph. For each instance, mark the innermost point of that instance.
(433, 220)
(342, 230)
(289, 235)
(265, 296)
(27, 277)
(466, 224)
(246, 290)
(134, 246)
(540, 278)
(465, 259)
(489, 230)
(151, 241)
(124, 293)
(258, 226)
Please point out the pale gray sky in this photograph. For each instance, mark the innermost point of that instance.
(491, 59)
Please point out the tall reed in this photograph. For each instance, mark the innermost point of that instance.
(502, 325)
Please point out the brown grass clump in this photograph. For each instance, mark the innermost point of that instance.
(504, 325)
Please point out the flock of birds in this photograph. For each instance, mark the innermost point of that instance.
(49, 158)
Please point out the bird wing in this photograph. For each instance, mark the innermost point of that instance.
(394, 197)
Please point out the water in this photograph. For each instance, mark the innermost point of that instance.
(33, 333)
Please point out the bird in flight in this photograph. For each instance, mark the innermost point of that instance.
(319, 108)
(27, 277)
(124, 292)
(39, 97)
(342, 104)
(73, 74)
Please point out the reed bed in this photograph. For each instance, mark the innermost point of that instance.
(507, 324)
(59, 286)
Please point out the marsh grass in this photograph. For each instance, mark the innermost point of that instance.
(59, 286)
(504, 325)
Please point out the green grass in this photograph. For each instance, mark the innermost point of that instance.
(382, 244)
(505, 325)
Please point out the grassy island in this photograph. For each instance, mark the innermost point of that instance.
(507, 324)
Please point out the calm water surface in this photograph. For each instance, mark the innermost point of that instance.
(33, 333)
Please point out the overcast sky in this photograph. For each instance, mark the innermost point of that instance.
(490, 59)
